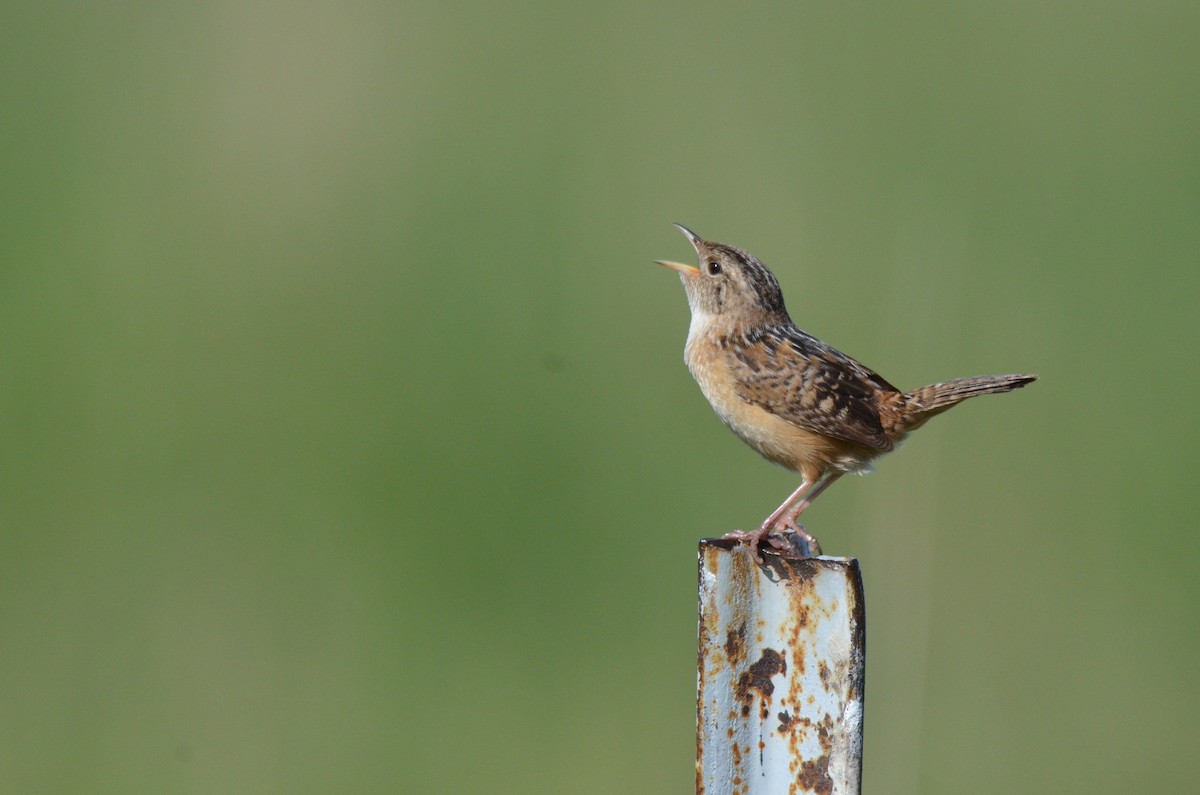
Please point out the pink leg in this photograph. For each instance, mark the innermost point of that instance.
(770, 521)
(784, 517)
(792, 515)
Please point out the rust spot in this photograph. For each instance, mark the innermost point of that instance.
(785, 722)
(814, 776)
(823, 729)
(759, 676)
(798, 731)
(801, 593)
(826, 675)
(737, 754)
(735, 644)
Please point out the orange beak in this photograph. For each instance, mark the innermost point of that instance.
(686, 270)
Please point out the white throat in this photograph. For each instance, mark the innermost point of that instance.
(701, 320)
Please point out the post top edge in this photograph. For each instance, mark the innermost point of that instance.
(729, 545)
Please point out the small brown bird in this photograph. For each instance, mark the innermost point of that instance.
(796, 400)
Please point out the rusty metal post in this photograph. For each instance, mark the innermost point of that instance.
(780, 683)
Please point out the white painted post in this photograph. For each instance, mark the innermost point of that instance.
(780, 684)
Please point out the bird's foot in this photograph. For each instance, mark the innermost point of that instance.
(803, 543)
(788, 543)
(753, 540)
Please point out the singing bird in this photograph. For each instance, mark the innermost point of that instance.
(798, 401)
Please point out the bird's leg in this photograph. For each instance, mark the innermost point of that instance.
(756, 537)
(793, 513)
(771, 522)
(783, 519)
(785, 522)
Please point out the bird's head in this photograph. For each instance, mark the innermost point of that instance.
(730, 283)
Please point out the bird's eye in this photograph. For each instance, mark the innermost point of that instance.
(714, 267)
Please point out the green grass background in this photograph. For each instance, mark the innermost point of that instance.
(346, 445)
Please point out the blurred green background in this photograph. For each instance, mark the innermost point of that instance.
(346, 442)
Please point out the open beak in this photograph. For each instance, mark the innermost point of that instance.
(697, 243)
(686, 270)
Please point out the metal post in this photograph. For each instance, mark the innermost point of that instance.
(780, 683)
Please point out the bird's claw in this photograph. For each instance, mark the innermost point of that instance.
(802, 543)
(791, 541)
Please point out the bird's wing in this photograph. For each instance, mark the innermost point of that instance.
(810, 384)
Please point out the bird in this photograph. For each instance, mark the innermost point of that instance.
(796, 400)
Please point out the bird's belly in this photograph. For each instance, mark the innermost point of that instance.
(776, 439)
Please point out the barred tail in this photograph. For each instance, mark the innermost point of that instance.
(928, 401)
